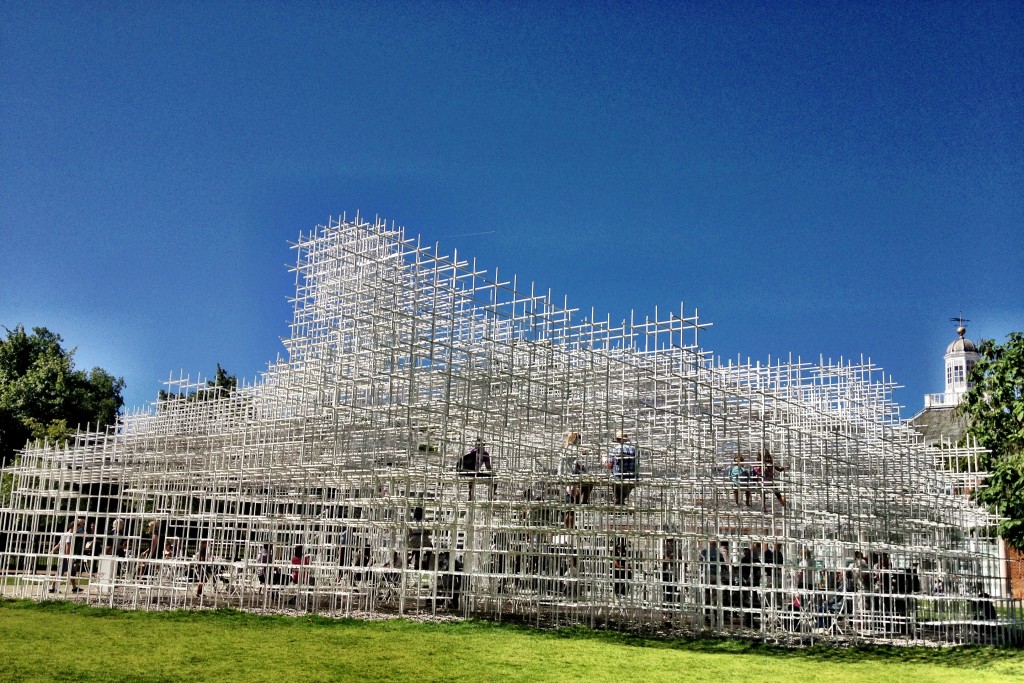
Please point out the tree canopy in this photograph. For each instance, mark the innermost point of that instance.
(222, 385)
(43, 396)
(994, 407)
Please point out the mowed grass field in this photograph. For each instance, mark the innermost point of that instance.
(66, 642)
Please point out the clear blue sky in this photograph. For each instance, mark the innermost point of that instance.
(828, 179)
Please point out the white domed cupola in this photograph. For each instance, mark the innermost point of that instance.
(961, 356)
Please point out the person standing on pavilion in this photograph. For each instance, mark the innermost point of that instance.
(471, 464)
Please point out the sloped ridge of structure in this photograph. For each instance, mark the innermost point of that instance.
(443, 440)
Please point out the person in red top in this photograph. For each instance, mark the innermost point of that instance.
(300, 576)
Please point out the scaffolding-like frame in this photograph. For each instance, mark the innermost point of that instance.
(628, 486)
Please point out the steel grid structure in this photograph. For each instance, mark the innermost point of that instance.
(630, 481)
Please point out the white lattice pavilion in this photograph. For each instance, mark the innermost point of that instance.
(400, 359)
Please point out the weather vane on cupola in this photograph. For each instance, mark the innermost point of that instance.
(960, 320)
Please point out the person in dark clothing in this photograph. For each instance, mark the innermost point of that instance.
(471, 464)
(451, 579)
(200, 568)
(267, 573)
(750, 580)
(670, 572)
(622, 572)
(621, 463)
(419, 540)
(715, 573)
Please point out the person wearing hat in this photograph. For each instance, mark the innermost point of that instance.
(621, 463)
(471, 464)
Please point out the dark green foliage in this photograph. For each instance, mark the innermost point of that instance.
(222, 385)
(1005, 494)
(225, 382)
(994, 407)
(43, 396)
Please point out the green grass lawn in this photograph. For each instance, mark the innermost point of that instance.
(61, 641)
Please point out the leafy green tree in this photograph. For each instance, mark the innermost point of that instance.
(223, 381)
(43, 396)
(222, 385)
(994, 407)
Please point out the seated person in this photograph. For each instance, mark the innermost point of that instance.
(363, 560)
(984, 610)
(301, 575)
(267, 573)
(418, 540)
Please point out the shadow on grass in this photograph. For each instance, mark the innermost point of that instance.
(961, 657)
(964, 656)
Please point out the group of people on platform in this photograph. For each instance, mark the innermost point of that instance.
(621, 465)
(758, 475)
